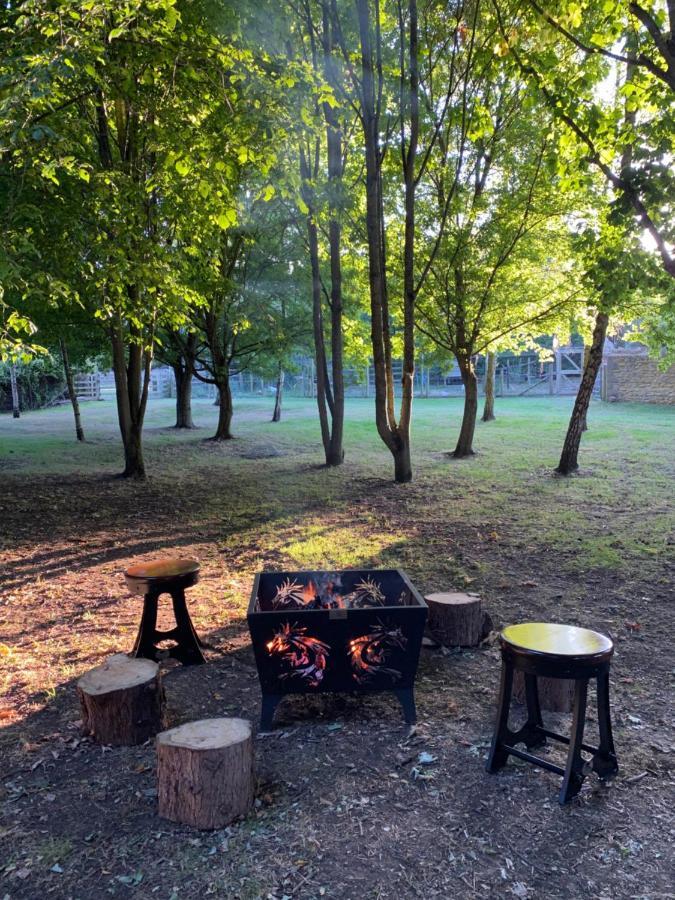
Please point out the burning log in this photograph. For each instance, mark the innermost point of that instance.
(457, 620)
(205, 772)
(122, 701)
(324, 591)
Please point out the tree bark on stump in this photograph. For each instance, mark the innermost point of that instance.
(555, 694)
(122, 701)
(205, 772)
(457, 619)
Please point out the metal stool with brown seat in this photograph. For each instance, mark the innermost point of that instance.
(152, 579)
(555, 651)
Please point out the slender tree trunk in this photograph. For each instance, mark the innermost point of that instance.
(276, 415)
(223, 430)
(465, 441)
(322, 386)
(489, 407)
(396, 435)
(68, 372)
(16, 410)
(584, 422)
(568, 459)
(334, 147)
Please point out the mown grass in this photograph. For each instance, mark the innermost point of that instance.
(617, 511)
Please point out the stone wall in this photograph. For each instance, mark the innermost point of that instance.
(637, 378)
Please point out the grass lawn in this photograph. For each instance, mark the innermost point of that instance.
(339, 810)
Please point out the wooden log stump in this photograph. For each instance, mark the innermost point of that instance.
(122, 701)
(457, 619)
(205, 772)
(555, 694)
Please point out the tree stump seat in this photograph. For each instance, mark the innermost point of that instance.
(122, 701)
(539, 649)
(457, 619)
(205, 772)
(151, 580)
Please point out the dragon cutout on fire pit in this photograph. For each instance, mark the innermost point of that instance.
(304, 656)
(369, 652)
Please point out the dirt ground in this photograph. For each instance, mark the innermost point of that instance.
(344, 807)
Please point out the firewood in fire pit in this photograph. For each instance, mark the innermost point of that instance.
(122, 701)
(205, 772)
(457, 619)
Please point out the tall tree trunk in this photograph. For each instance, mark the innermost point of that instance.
(16, 410)
(402, 462)
(465, 441)
(323, 396)
(183, 370)
(568, 459)
(68, 372)
(183, 396)
(335, 451)
(278, 395)
(223, 429)
(396, 435)
(584, 422)
(131, 368)
(489, 407)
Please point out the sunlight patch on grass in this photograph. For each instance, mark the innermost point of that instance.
(326, 546)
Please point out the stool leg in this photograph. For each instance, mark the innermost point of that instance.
(144, 645)
(604, 761)
(187, 649)
(498, 756)
(531, 735)
(574, 770)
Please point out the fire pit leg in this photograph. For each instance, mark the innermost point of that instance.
(269, 704)
(406, 698)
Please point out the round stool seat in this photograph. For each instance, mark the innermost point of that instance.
(543, 639)
(162, 573)
(547, 650)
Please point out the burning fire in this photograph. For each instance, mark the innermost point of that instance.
(368, 652)
(326, 594)
(305, 656)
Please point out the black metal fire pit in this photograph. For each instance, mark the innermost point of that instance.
(355, 631)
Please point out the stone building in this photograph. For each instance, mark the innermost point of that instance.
(629, 374)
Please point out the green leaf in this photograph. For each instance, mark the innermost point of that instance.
(227, 219)
(182, 166)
